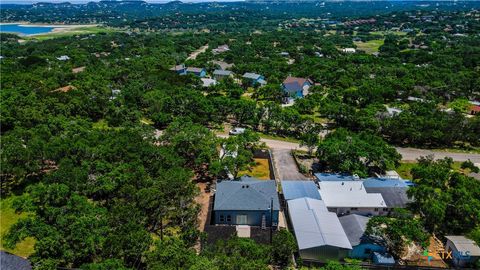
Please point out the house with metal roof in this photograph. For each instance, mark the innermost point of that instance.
(220, 74)
(246, 201)
(465, 252)
(254, 78)
(335, 177)
(351, 197)
(179, 69)
(319, 234)
(200, 72)
(300, 189)
(295, 87)
(10, 261)
(363, 245)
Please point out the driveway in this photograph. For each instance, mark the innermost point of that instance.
(285, 165)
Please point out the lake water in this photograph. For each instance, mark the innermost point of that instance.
(25, 30)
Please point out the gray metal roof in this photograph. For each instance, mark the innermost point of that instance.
(299, 189)
(463, 244)
(222, 72)
(247, 193)
(334, 177)
(315, 226)
(393, 196)
(252, 76)
(194, 69)
(9, 261)
(354, 227)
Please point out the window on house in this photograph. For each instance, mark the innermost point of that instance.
(229, 218)
(222, 218)
(241, 219)
(385, 209)
(354, 208)
(368, 251)
(376, 209)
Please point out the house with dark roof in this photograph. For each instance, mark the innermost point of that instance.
(363, 245)
(295, 87)
(254, 79)
(220, 74)
(200, 72)
(246, 201)
(9, 261)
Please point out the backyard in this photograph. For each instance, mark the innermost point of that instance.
(8, 217)
(261, 170)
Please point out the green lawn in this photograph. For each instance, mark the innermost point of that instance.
(369, 47)
(405, 169)
(8, 217)
(261, 170)
(73, 32)
(384, 33)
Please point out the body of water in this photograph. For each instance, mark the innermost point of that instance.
(25, 30)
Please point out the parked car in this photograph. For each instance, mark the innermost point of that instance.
(237, 131)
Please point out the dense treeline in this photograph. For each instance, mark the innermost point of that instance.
(102, 158)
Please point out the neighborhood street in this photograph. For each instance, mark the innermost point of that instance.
(410, 154)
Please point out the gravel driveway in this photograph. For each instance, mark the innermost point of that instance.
(285, 165)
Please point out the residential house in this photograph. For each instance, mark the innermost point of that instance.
(295, 87)
(207, 82)
(465, 252)
(349, 50)
(300, 189)
(221, 49)
(200, 72)
(363, 245)
(255, 79)
(10, 261)
(63, 58)
(284, 54)
(180, 69)
(335, 177)
(320, 236)
(220, 74)
(391, 111)
(246, 201)
(474, 109)
(351, 197)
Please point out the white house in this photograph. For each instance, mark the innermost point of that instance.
(351, 197)
(349, 50)
(63, 58)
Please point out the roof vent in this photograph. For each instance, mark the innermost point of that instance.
(246, 186)
(343, 183)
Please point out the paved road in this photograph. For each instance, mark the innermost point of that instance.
(408, 154)
(414, 153)
(285, 166)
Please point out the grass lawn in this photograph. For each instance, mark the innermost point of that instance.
(261, 170)
(384, 33)
(405, 169)
(369, 47)
(73, 32)
(8, 217)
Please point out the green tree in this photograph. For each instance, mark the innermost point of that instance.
(361, 154)
(283, 247)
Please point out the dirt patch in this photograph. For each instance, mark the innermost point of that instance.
(204, 200)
